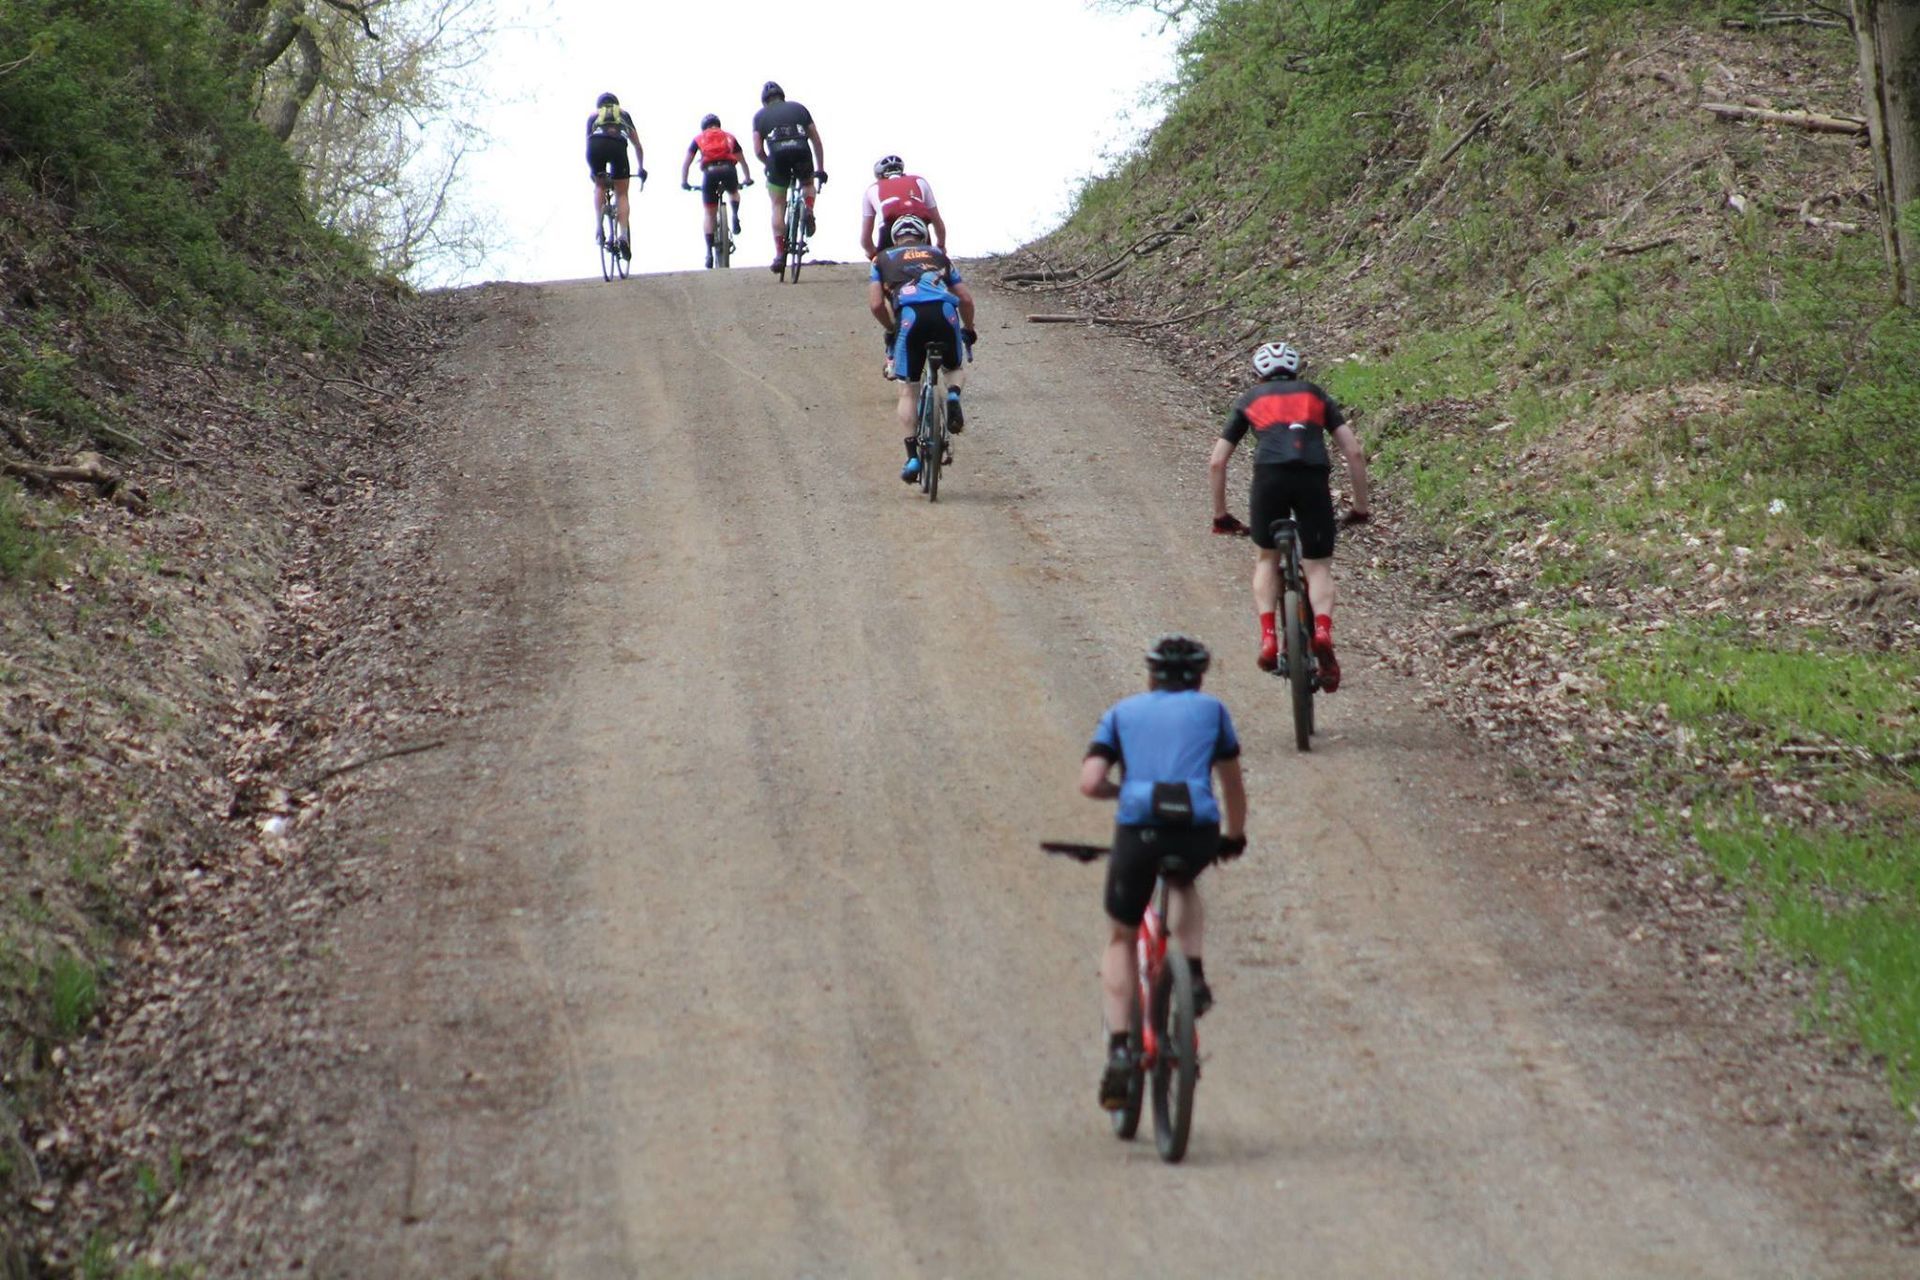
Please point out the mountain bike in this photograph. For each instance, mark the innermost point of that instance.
(612, 261)
(796, 229)
(722, 232)
(931, 443)
(1161, 1034)
(1298, 665)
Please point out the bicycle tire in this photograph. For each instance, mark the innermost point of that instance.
(722, 239)
(1176, 1066)
(609, 228)
(936, 439)
(1299, 675)
(1126, 1121)
(796, 239)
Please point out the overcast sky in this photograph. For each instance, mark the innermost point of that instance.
(1003, 105)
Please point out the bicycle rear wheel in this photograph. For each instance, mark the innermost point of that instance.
(1299, 676)
(1126, 1121)
(1176, 1067)
(609, 228)
(796, 237)
(722, 239)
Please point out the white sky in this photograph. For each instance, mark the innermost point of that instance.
(1003, 105)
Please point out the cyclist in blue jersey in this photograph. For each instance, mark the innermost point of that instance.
(1169, 743)
(917, 295)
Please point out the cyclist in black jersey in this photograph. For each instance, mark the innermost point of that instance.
(788, 144)
(609, 129)
(1291, 419)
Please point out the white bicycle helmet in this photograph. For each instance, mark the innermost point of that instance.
(909, 226)
(887, 165)
(1276, 359)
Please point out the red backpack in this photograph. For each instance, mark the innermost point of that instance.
(717, 146)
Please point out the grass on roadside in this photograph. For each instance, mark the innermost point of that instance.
(1825, 843)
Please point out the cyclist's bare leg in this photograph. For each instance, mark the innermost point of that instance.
(778, 197)
(908, 405)
(620, 194)
(1319, 585)
(1116, 975)
(1189, 919)
(712, 213)
(1266, 581)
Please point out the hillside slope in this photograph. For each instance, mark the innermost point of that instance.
(196, 382)
(1647, 422)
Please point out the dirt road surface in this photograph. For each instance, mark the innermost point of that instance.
(719, 944)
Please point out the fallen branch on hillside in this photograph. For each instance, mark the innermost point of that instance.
(412, 749)
(86, 468)
(1784, 20)
(1811, 121)
(1460, 635)
(1152, 242)
(1643, 246)
(1131, 322)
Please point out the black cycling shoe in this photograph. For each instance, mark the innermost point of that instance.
(1202, 997)
(956, 420)
(1117, 1079)
(807, 221)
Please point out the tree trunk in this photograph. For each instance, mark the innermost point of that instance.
(1889, 36)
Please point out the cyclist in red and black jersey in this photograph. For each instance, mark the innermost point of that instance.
(721, 163)
(1291, 419)
(897, 194)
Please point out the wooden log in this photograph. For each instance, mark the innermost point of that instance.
(1811, 121)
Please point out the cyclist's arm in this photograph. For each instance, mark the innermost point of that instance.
(939, 226)
(867, 245)
(1356, 467)
(965, 297)
(760, 147)
(1233, 797)
(686, 166)
(877, 303)
(1217, 473)
(819, 148)
(1095, 784)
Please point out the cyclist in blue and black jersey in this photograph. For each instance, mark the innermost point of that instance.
(1291, 420)
(917, 295)
(1169, 743)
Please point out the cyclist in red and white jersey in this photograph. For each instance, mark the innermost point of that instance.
(897, 194)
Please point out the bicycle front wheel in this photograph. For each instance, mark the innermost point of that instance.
(1176, 1067)
(1299, 674)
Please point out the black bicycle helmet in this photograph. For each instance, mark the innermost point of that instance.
(1177, 661)
(709, 121)
(886, 165)
(606, 100)
(771, 90)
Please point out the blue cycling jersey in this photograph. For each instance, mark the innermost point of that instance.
(915, 274)
(1166, 738)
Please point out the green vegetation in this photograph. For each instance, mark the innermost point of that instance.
(139, 199)
(1605, 341)
(25, 553)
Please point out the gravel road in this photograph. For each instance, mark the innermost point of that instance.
(725, 947)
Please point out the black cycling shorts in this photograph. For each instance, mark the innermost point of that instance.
(920, 326)
(607, 153)
(721, 177)
(1135, 864)
(789, 166)
(1289, 489)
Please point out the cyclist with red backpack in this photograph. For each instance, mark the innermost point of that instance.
(721, 163)
(897, 194)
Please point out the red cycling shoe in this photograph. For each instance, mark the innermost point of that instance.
(1269, 659)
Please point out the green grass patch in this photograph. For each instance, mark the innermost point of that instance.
(1847, 901)
(26, 554)
(73, 993)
